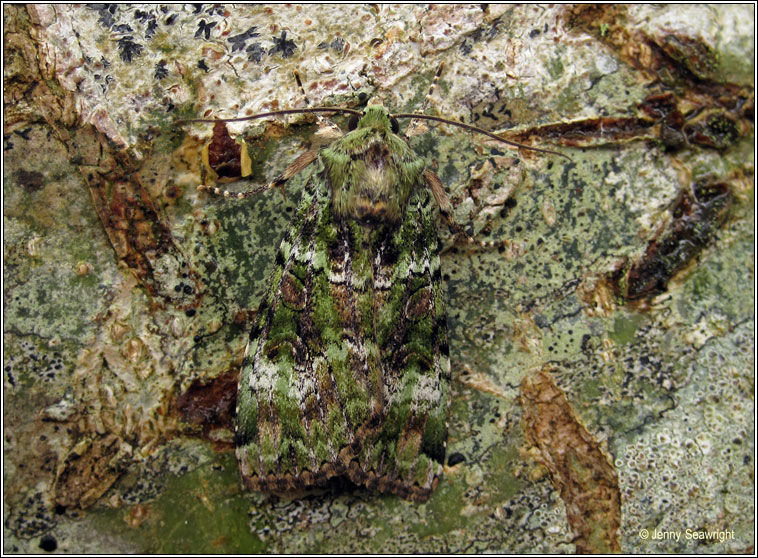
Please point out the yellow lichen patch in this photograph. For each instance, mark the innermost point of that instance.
(578, 467)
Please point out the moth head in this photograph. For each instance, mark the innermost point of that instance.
(374, 116)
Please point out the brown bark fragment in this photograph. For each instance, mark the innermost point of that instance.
(578, 468)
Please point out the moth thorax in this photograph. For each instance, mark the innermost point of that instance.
(373, 201)
(373, 195)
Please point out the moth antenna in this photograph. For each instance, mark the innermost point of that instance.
(414, 128)
(327, 129)
(310, 110)
(432, 87)
(471, 128)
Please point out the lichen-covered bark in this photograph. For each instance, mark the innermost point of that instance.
(628, 269)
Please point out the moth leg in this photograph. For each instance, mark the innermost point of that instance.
(295, 167)
(446, 210)
(416, 126)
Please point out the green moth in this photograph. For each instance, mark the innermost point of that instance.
(347, 370)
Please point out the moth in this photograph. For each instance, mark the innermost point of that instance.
(347, 368)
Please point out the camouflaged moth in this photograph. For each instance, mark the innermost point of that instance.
(347, 373)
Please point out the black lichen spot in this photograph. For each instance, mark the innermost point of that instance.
(151, 28)
(238, 41)
(254, 332)
(203, 66)
(337, 45)
(284, 45)
(215, 10)
(148, 19)
(144, 17)
(122, 28)
(108, 80)
(23, 133)
(160, 70)
(255, 52)
(128, 49)
(204, 28)
(105, 13)
(455, 458)
(48, 543)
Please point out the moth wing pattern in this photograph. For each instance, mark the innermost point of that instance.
(347, 369)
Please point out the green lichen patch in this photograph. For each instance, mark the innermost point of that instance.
(197, 511)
